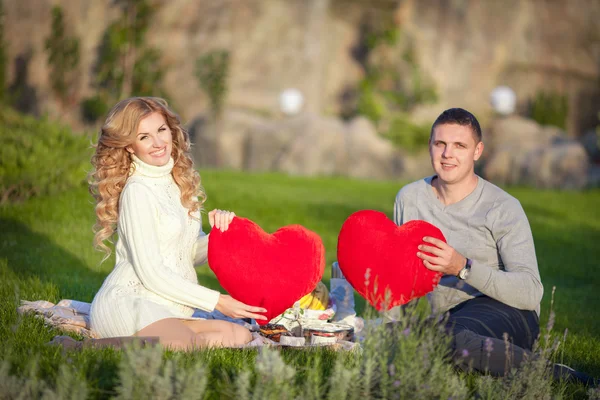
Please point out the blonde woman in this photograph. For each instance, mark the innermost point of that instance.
(148, 192)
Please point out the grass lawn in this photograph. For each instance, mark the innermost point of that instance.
(46, 253)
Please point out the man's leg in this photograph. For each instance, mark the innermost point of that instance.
(479, 326)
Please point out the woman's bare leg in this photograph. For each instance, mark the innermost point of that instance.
(188, 334)
(219, 333)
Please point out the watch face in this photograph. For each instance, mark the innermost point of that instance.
(465, 271)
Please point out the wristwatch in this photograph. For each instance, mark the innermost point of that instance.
(464, 273)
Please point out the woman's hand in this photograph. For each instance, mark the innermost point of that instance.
(220, 219)
(236, 309)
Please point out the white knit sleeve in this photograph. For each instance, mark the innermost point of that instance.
(200, 249)
(138, 224)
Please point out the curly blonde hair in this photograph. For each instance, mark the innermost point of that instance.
(112, 163)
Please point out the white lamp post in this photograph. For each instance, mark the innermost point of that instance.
(503, 100)
(291, 101)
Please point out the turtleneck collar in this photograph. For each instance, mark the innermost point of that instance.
(139, 167)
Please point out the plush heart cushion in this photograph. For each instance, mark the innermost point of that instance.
(375, 255)
(266, 270)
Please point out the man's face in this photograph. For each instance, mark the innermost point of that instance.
(453, 152)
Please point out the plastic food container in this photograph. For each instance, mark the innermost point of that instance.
(327, 330)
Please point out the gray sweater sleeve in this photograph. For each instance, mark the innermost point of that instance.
(518, 282)
(398, 209)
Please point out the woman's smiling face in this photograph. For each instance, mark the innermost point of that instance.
(153, 143)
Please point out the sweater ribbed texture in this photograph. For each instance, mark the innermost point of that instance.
(157, 247)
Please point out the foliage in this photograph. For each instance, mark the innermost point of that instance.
(406, 134)
(120, 44)
(212, 70)
(144, 375)
(273, 378)
(38, 157)
(393, 86)
(370, 104)
(94, 107)
(392, 364)
(3, 57)
(598, 132)
(408, 359)
(532, 381)
(63, 59)
(148, 74)
(550, 108)
(126, 66)
(385, 81)
(29, 386)
(405, 360)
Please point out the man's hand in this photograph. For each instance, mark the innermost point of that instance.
(443, 257)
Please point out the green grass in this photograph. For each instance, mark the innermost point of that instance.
(46, 253)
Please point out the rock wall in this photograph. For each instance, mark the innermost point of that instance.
(466, 46)
(307, 144)
(521, 152)
(469, 47)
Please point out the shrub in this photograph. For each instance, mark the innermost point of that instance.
(126, 66)
(273, 378)
(409, 360)
(144, 375)
(68, 385)
(63, 59)
(370, 104)
(550, 108)
(212, 70)
(93, 108)
(406, 360)
(39, 157)
(406, 134)
(393, 86)
(598, 132)
(533, 380)
(3, 57)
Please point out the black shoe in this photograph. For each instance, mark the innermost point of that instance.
(561, 371)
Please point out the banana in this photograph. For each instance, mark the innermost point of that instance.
(317, 299)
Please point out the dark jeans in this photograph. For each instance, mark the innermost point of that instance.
(478, 328)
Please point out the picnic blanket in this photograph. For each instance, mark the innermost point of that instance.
(74, 316)
(68, 315)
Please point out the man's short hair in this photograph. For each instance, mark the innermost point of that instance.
(458, 116)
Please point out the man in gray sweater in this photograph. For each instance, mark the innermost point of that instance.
(491, 284)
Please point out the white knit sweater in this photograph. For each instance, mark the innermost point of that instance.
(157, 248)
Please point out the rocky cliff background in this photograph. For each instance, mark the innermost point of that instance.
(463, 48)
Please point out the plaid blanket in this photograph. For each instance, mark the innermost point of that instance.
(68, 315)
(74, 316)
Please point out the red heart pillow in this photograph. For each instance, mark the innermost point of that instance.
(375, 255)
(266, 270)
